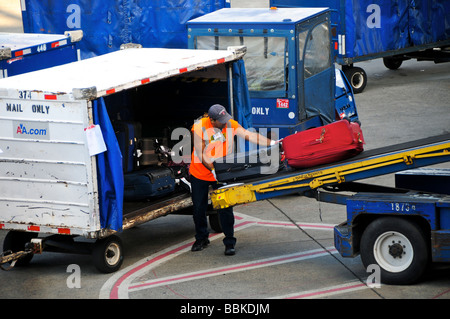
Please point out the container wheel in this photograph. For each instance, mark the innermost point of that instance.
(108, 254)
(392, 63)
(398, 246)
(357, 78)
(15, 241)
(214, 222)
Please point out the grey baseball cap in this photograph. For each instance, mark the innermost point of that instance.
(217, 112)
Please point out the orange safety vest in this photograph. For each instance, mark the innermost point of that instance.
(218, 144)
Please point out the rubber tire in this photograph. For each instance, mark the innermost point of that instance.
(214, 222)
(392, 63)
(108, 264)
(15, 241)
(357, 78)
(416, 237)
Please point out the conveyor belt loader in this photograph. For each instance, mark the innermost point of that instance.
(397, 229)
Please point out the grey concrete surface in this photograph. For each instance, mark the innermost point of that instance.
(397, 106)
(10, 16)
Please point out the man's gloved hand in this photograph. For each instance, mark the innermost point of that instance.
(272, 142)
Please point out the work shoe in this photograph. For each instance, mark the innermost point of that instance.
(200, 244)
(229, 250)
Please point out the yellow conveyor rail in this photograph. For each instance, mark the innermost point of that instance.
(338, 173)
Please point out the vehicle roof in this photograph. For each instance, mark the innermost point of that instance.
(258, 15)
(116, 71)
(17, 41)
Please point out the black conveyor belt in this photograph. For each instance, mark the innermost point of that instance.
(360, 157)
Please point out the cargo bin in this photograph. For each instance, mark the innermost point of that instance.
(392, 30)
(56, 178)
(26, 52)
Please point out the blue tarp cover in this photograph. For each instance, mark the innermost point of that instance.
(107, 24)
(372, 27)
(109, 172)
(241, 95)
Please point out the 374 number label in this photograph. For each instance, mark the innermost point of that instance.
(24, 94)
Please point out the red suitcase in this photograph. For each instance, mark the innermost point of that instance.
(322, 145)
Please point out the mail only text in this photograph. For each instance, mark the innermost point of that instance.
(35, 108)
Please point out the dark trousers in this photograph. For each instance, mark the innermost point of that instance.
(200, 201)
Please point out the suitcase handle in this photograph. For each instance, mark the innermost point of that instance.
(164, 187)
(320, 139)
(231, 169)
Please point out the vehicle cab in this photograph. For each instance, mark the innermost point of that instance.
(289, 64)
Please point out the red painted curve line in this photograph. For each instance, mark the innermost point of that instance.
(115, 289)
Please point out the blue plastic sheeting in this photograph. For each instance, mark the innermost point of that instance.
(366, 35)
(241, 100)
(107, 24)
(429, 21)
(109, 172)
(241, 95)
(373, 27)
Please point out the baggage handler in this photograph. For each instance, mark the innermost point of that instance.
(213, 137)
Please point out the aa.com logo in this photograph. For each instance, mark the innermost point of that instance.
(30, 129)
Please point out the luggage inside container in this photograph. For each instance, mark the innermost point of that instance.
(158, 110)
(247, 165)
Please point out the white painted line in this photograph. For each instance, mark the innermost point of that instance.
(231, 269)
(122, 282)
(325, 292)
(273, 223)
(301, 225)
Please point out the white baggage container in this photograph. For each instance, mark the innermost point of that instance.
(48, 179)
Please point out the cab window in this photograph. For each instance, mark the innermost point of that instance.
(317, 50)
(265, 61)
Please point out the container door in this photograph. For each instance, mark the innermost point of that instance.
(317, 71)
(46, 171)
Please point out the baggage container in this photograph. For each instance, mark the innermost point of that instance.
(392, 30)
(107, 24)
(26, 52)
(60, 162)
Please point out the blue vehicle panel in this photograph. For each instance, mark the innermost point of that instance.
(432, 209)
(290, 71)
